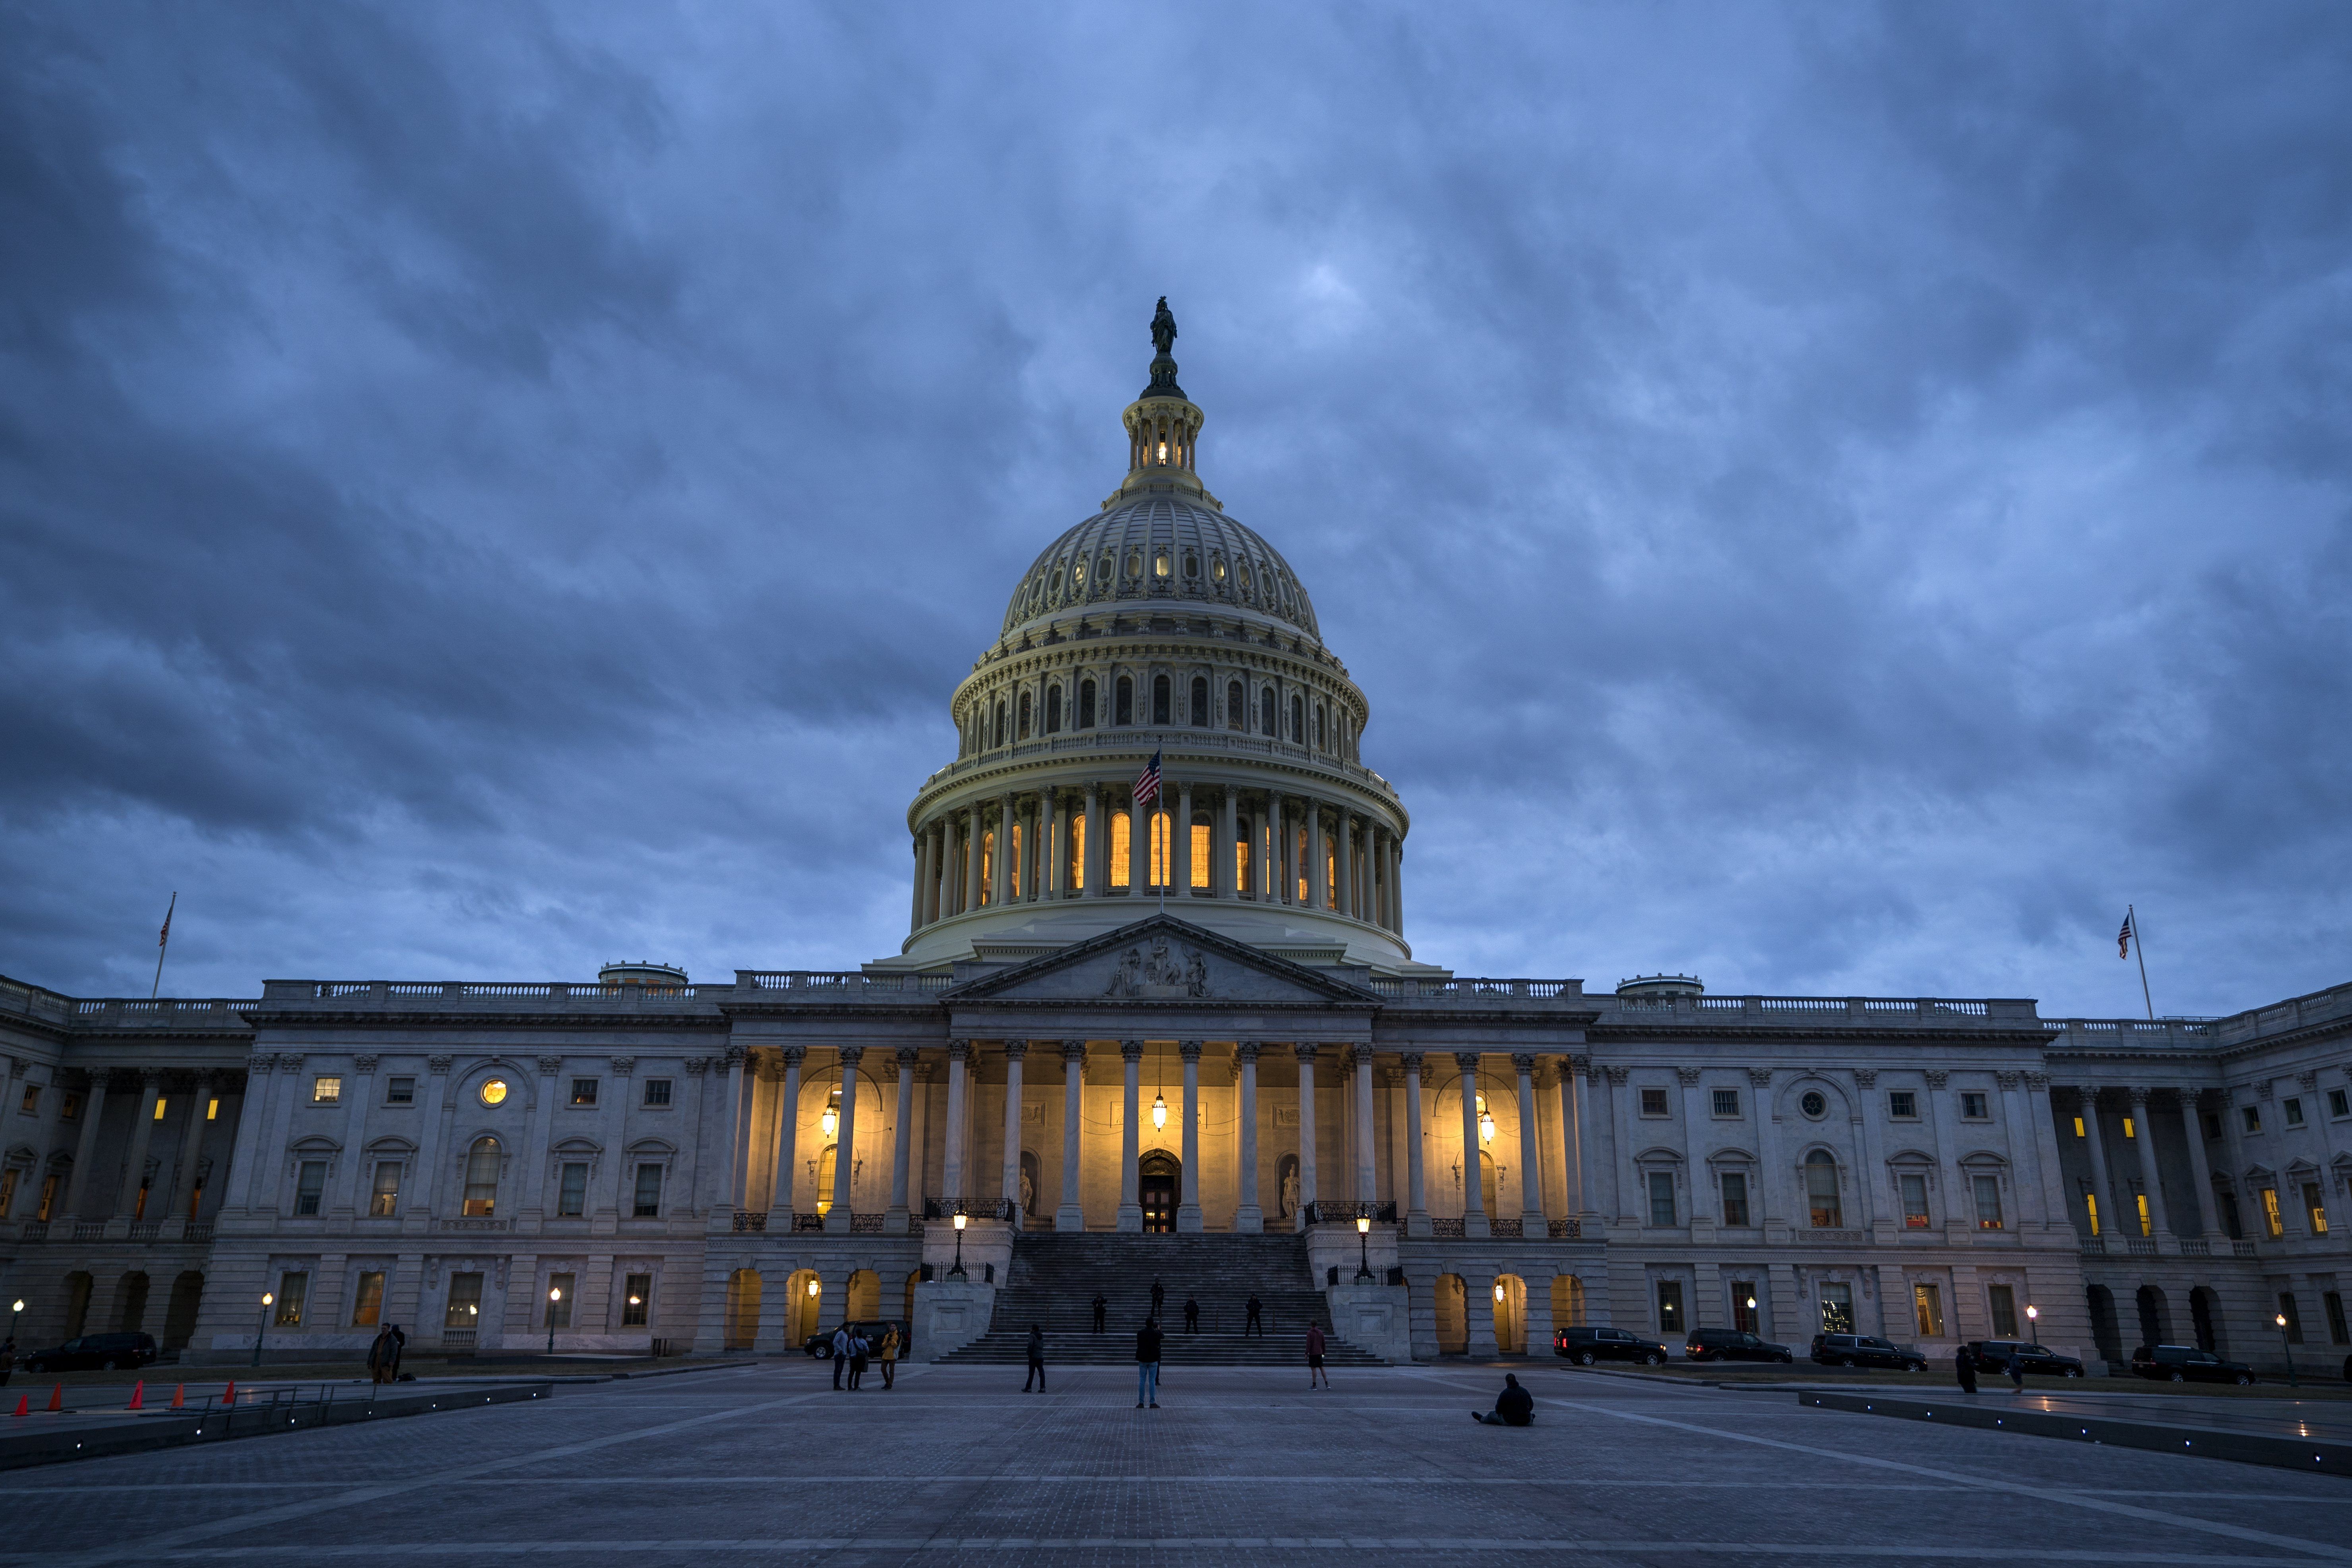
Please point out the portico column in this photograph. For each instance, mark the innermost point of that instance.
(2100, 1184)
(84, 1188)
(972, 858)
(2159, 1218)
(1248, 1218)
(1531, 1212)
(844, 1147)
(1222, 865)
(1014, 1051)
(1305, 1055)
(151, 1085)
(1188, 1205)
(897, 1221)
(1366, 1170)
(192, 1148)
(1131, 1207)
(2057, 1206)
(1474, 1196)
(951, 1165)
(1071, 1213)
(1097, 853)
(1571, 1136)
(788, 1128)
(2200, 1169)
(1416, 1219)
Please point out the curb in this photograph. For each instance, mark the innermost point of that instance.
(143, 1433)
(2310, 1455)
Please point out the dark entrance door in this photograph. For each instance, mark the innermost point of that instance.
(1156, 1190)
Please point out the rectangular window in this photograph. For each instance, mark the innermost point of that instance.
(583, 1091)
(31, 1104)
(2315, 1208)
(2091, 1206)
(1661, 1197)
(1670, 1307)
(1903, 1105)
(1972, 1107)
(1200, 872)
(2003, 1301)
(1988, 1190)
(636, 1301)
(308, 1185)
(1744, 1313)
(70, 1109)
(2294, 1108)
(2212, 1125)
(286, 1311)
(367, 1302)
(1654, 1102)
(2130, 1130)
(2139, 1201)
(48, 1197)
(2253, 1115)
(1121, 830)
(1837, 1309)
(1915, 1201)
(2294, 1317)
(1928, 1305)
(573, 1198)
(385, 1201)
(656, 1091)
(559, 1300)
(2338, 1332)
(212, 1110)
(2229, 1220)
(1734, 1198)
(2337, 1103)
(326, 1089)
(162, 1105)
(2078, 1127)
(400, 1091)
(648, 1196)
(1727, 1102)
(7, 1192)
(465, 1309)
(2272, 1221)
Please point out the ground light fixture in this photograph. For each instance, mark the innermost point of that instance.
(262, 1330)
(555, 1294)
(2285, 1348)
(1363, 1246)
(957, 1272)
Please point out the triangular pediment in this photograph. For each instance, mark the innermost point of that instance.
(1166, 959)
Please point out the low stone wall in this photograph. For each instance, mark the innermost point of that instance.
(950, 1314)
(1373, 1318)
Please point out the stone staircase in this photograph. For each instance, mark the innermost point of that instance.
(1055, 1276)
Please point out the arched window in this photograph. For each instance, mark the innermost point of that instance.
(1121, 830)
(1245, 835)
(1159, 700)
(1236, 707)
(1822, 1190)
(1298, 721)
(1123, 701)
(1197, 873)
(482, 1177)
(1085, 705)
(1053, 710)
(1024, 715)
(1319, 728)
(1200, 700)
(1265, 712)
(1135, 562)
(1000, 723)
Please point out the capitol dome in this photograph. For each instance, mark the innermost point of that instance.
(1167, 548)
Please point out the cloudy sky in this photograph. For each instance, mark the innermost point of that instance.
(1830, 500)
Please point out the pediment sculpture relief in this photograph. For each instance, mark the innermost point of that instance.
(1158, 972)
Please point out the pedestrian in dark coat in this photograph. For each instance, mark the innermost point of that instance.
(1253, 1321)
(384, 1356)
(1100, 1304)
(1315, 1356)
(1158, 1298)
(1964, 1364)
(1147, 1365)
(1516, 1407)
(1192, 1316)
(1036, 1359)
(860, 1348)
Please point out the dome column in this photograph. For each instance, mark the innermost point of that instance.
(1286, 845)
(1318, 856)
(1058, 859)
(1346, 858)
(973, 859)
(1222, 859)
(1008, 812)
(1097, 855)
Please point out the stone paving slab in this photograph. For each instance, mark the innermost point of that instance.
(769, 1464)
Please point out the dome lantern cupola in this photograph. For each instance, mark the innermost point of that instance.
(1163, 426)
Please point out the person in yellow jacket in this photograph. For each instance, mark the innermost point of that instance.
(889, 1356)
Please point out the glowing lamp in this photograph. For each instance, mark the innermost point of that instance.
(266, 1296)
(830, 1120)
(1363, 1224)
(1485, 1127)
(556, 1294)
(1498, 1292)
(812, 1285)
(1751, 1303)
(2031, 1312)
(959, 1224)
(1160, 1111)
(2279, 1318)
(635, 1299)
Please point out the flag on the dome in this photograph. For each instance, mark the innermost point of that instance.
(2123, 937)
(163, 937)
(1147, 783)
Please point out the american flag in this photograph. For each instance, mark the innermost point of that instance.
(1147, 783)
(163, 937)
(2123, 937)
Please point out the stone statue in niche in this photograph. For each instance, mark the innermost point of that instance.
(1285, 1187)
(1028, 1184)
(1160, 973)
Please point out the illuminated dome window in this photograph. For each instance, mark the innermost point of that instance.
(1159, 565)
(1217, 568)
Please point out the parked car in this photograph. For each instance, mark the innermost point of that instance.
(1867, 1350)
(2187, 1363)
(821, 1346)
(1992, 1355)
(1585, 1346)
(1733, 1344)
(100, 1351)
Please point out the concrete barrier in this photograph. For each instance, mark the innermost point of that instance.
(88, 1435)
(2319, 1456)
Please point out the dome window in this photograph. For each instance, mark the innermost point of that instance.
(1236, 706)
(1102, 572)
(1086, 704)
(1123, 701)
(1192, 566)
(1078, 574)
(1200, 701)
(1159, 700)
(1135, 562)
(1024, 717)
(1053, 710)
(1246, 577)
(1217, 567)
(1159, 566)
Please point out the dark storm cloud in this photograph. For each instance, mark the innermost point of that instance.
(1837, 500)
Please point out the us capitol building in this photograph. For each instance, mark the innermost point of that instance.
(1191, 1026)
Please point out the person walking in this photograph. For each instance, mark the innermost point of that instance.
(840, 1354)
(1101, 1304)
(1192, 1316)
(1036, 1359)
(860, 1348)
(2016, 1370)
(891, 1356)
(1159, 1300)
(1515, 1407)
(1964, 1365)
(384, 1356)
(1147, 1364)
(1253, 1321)
(1315, 1356)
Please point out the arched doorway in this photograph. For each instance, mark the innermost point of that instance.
(2155, 1316)
(862, 1303)
(2104, 1333)
(800, 1307)
(179, 1314)
(1157, 1178)
(131, 1302)
(1509, 1299)
(1452, 1315)
(2205, 1313)
(742, 1309)
(1567, 1301)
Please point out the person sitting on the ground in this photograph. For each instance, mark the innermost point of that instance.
(1515, 1408)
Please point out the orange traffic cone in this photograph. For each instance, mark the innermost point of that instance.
(138, 1396)
(24, 1404)
(179, 1396)
(58, 1397)
(230, 1397)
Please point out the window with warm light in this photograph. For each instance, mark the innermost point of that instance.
(162, 1104)
(2091, 1207)
(2315, 1208)
(1120, 833)
(2079, 1132)
(1076, 868)
(326, 1089)
(2272, 1221)
(636, 1301)
(2130, 1130)
(367, 1299)
(1988, 1193)
(482, 1162)
(583, 1091)
(292, 1290)
(1915, 1201)
(1927, 1304)
(1202, 836)
(384, 1201)
(494, 1091)
(464, 1309)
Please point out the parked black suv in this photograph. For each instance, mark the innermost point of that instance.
(1992, 1355)
(1733, 1344)
(1585, 1346)
(2187, 1363)
(1867, 1350)
(99, 1352)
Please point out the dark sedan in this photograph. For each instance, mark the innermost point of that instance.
(1585, 1346)
(2187, 1363)
(1733, 1344)
(94, 1352)
(1867, 1350)
(1992, 1355)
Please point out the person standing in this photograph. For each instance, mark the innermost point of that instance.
(1101, 1304)
(2016, 1370)
(384, 1356)
(1315, 1356)
(840, 1354)
(891, 1356)
(860, 1347)
(1159, 1300)
(1036, 1359)
(1147, 1364)
(1192, 1316)
(1253, 1321)
(1964, 1365)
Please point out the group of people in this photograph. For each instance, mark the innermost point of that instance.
(1964, 1365)
(383, 1353)
(1252, 1323)
(852, 1351)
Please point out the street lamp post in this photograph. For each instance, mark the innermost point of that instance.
(1363, 1246)
(2285, 1348)
(555, 1294)
(2032, 1322)
(263, 1328)
(957, 1272)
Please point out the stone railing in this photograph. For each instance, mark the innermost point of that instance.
(808, 1222)
(1444, 1229)
(1567, 1229)
(750, 1222)
(1479, 990)
(474, 1222)
(199, 1230)
(844, 985)
(411, 993)
(1326, 1212)
(1832, 1237)
(145, 1229)
(1942, 1012)
(2139, 1246)
(2137, 1033)
(1177, 742)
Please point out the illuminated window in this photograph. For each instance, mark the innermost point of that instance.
(583, 1091)
(2129, 1130)
(367, 1301)
(2272, 1221)
(326, 1090)
(1243, 836)
(638, 1293)
(1298, 858)
(385, 1201)
(1988, 1191)
(987, 866)
(1077, 868)
(70, 1110)
(2140, 1201)
(1821, 1191)
(1160, 560)
(2315, 1208)
(1120, 832)
(1928, 1304)
(2091, 1206)
(1915, 1201)
(7, 1192)
(465, 1308)
(1201, 837)
(291, 1290)
(494, 1091)
(31, 1104)
(1157, 868)
(48, 1198)
(212, 1110)
(1019, 832)
(160, 1103)
(1217, 567)
(482, 1177)
(1837, 1309)
(2078, 1127)
(1135, 562)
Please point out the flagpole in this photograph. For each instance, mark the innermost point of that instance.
(2139, 950)
(162, 945)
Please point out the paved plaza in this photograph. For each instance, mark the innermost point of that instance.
(770, 1465)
